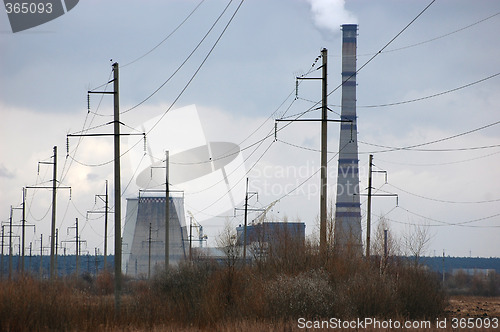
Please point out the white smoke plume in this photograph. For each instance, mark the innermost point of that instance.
(329, 15)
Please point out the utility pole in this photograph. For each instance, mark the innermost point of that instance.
(369, 202)
(245, 226)
(1, 268)
(167, 209)
(369, 207)
(246, 209)
(105, 200)
(167, 213)
(41, 256)
(23, 233)
(191, 239)
(117, 186)
(118, 194)
(324, 149)
(77, 248)
(10, 243)
(54, 188)
(55, 262)
(53, 227)
(78, 244)
(149, 253)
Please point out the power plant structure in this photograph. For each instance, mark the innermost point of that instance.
(347, 229)
(271, 232)
(144, 234)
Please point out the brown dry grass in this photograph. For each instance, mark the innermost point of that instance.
(268, 296)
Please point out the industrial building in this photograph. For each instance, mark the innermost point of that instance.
(271, 232)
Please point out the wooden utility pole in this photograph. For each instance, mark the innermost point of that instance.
(167, 213)
(324, 160)
(248, 195)
(245, 226)
(105, 200)
(53, 226)
(191, 239)
(1, 267)
(118, 194)
(10, 243)
(77, 248)
(324, 149)
(41, 256)
(106, 228)
(149, 253)
(54, 188)
(55, 261)
(369, 201)
(117, 186)
(23, 233)
(369, 206)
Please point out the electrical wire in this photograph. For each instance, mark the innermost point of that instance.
(439, 164)
(412, 147)
(429, 40)
(462, 223)
(431, 96)
(167, 37)
(183, 63)
(442, 200)
(383, 48)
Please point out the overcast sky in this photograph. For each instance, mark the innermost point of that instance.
(45, 73)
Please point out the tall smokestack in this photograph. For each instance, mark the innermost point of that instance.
(347, 232)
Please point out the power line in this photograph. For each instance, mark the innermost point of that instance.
(431, 96)
(432, 39)
(439, 164)
(164, 39)
(383, 48)
(412, 147)
(462, 223)
(391, 148)
(183, 63)
(442, 200)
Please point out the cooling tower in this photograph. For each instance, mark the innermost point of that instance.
(347, 231)
(141, 212)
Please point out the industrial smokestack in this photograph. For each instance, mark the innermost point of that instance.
(347, 231)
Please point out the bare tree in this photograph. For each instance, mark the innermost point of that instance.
(416, 240)
(227, 240)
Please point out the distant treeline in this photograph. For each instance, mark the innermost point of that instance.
(66, 265)
(451, 263)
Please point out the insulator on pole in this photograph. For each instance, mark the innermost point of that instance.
(145, 144)
(88, 102)
(67, 146)
(296, 88)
